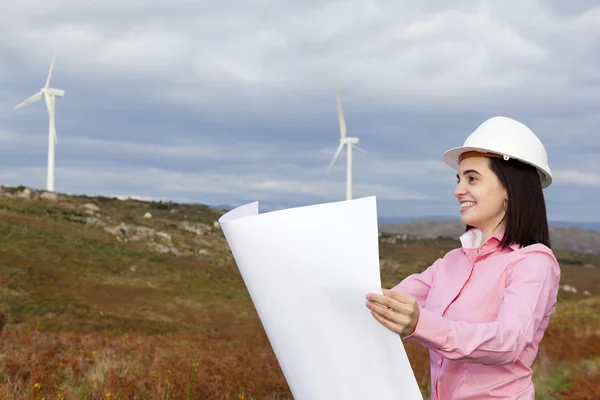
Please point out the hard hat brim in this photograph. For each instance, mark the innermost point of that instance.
(452, 156)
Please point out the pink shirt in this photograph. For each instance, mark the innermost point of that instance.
(484, 310)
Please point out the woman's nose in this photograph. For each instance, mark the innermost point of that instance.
(459, 190)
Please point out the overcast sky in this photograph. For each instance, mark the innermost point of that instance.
(230, 101)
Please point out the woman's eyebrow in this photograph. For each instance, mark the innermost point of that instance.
(469, 171)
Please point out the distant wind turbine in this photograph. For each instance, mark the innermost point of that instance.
(350, 142)
(50, 95)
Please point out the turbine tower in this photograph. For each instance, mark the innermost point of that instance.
(50, 95)
(349, 142)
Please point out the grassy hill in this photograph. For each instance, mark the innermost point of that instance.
(105, 298)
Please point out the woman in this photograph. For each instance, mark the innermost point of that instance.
(483, 308)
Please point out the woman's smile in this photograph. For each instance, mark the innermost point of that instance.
(465, 205)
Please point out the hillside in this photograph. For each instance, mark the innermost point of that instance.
(562, 238)
(143, 300)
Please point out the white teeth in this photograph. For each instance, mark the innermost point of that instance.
(467, 204)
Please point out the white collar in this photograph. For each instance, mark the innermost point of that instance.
(471, 239)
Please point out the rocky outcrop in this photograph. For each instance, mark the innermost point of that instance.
(49, 196)
(198, 228)
(179, 232)
(135, 233)
(27, 194)
(90, 207)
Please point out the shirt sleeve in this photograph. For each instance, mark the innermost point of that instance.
(418, 285)
(530, 295)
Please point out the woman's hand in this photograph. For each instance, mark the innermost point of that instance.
(398, 312)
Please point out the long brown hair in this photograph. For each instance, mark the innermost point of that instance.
(526, 221)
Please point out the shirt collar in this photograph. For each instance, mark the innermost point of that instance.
(472, 239)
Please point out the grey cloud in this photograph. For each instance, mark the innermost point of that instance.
(578, 177)
(470, 53)
(568, 9)
(245, 92)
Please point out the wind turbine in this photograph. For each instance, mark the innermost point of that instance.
(350, 142)
(50, 95)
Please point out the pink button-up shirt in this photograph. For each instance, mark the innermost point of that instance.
(484, 310)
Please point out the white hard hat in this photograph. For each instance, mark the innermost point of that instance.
(508, 138)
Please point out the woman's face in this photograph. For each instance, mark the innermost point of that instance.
(480, 194)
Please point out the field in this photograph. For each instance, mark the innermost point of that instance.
(104, 303)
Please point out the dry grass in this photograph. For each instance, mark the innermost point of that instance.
(137, 366)
(229, 364)
(80, 323)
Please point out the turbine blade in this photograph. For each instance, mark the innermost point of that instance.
(337, 153)
(359, 149)
(33, 98)
(50, 72)
(48, 100)
(341, 116)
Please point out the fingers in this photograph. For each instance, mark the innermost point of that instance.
(400, 319)
(393, 326)
(396, 322)
(381, 299)
(389, 314)
(401, 297)
(374, 304)
(390, 300)
(396, 311)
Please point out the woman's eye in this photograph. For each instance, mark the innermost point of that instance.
(472, 178)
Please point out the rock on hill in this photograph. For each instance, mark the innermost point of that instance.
(562, 238)
(161, 227)
(193, 229)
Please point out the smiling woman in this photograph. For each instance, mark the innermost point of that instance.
(483, 308)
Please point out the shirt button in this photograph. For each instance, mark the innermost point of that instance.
(439, 362)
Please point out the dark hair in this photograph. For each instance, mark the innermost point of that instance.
(526, 220)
